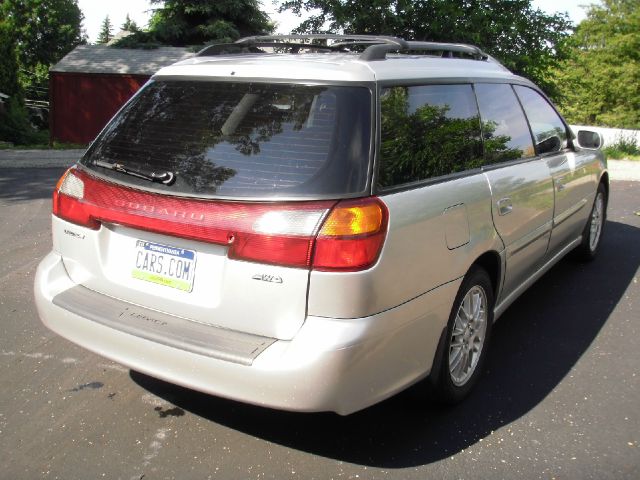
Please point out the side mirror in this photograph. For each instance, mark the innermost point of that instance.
(551, 144)
(589, 139)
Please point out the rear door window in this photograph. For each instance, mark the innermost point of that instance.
(504, 127)
(243, 140)
(427, 131)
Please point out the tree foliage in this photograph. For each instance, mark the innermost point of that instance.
(599, 82)
(129, 25)
(34, 34)
(44, 30)
(194, 22)
(14, 123)
(8, 62)
(106, 31)
(524, 39)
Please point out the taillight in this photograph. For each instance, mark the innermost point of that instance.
(325, 235)
(68, 200)
(351, 237)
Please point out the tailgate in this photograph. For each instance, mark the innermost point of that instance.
(186, 278)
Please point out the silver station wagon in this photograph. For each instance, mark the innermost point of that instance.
(314, 223)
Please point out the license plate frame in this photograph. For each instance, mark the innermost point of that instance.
(164, 265)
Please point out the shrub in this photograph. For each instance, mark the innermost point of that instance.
(625, 146)
(14, 124)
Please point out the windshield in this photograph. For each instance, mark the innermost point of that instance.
(242, 140)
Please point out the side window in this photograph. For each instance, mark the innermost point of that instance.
(504, 126)
(427, 131)
(549, 131)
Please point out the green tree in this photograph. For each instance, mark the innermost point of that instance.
(44, 31)
(524, 39)
(14, 124)
(129, 25)
(106, 31)
(9, 84)
(194, 22)
(599, 82)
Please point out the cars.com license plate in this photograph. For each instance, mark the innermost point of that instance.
(165, 265)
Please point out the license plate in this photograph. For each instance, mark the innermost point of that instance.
(165, 265)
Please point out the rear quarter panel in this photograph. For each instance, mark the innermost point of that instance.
(415, 258)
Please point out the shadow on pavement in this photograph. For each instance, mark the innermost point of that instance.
(535, 345)
(21, 184)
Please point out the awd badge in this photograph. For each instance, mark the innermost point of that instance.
(267, 278)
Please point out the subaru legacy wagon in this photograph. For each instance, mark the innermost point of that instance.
(314, 223)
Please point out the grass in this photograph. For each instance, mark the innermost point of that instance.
(615, 154)
(625, 148)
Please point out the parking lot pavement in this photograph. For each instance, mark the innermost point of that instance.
(559, 399)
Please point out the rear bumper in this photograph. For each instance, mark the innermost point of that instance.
(340, 365)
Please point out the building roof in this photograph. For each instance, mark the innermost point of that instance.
(110, 60)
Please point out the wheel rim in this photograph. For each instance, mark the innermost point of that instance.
(597, 218)
(467, 338)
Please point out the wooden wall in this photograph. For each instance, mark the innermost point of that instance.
(82, 103)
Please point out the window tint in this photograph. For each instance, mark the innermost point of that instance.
(548, 129)
(504, 127)
(427, 131)
(243, 140)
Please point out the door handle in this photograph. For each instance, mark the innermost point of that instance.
(504, 206)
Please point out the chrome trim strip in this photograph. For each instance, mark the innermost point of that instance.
(162, 328)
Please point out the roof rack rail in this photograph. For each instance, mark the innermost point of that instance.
(448, 49)
(379, 52)
(238, 49)
(355, 39)
(253, 44)
(377, 46)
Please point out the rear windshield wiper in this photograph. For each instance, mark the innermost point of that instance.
(166, 178)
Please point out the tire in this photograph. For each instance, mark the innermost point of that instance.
(466, 339)
(593, 230)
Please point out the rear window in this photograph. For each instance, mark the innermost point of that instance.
(242, 140)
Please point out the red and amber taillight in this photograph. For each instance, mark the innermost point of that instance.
(352, 235)
(328, 235)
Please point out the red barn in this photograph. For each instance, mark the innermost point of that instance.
(92, 82)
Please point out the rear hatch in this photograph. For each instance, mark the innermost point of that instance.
(203, 199)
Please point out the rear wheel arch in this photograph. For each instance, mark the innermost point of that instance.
(458, 342)
(491, 263)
